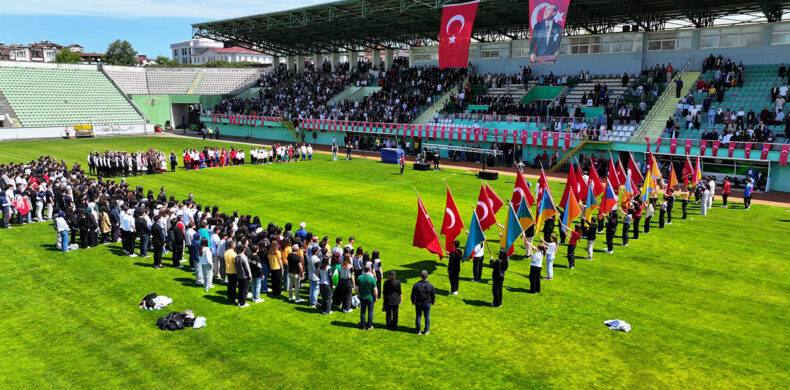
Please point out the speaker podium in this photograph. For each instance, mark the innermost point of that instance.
(488, 175)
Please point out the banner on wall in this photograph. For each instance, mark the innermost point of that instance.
(546, 24)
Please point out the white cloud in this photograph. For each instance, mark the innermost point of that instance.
(199, 9)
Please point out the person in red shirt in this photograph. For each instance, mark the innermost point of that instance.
(725, 191)
(575, 235)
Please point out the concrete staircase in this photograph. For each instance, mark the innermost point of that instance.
(653, 126)
(195, 83)
(438, 104)
(8, 111)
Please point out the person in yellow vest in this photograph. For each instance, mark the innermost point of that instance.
(210, 132)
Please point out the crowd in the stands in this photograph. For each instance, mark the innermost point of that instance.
(702, 116)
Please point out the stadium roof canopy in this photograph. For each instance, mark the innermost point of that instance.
(356, 25)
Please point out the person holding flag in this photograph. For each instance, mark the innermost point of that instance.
(454, 267)
(611, 230)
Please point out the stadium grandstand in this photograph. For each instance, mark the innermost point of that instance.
(624, 68)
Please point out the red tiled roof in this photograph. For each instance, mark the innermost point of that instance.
(234, 50)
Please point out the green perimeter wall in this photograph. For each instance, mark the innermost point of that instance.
(780, 176)
(155, 107)
(541, 93)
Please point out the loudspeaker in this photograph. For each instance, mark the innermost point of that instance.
(488, 175)
(422, 166)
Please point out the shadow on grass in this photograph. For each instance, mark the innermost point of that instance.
(307, 309)
(413, 270)
(51, 248)
(189, 282)
(517, 290)
(376, 326)
(221, 299)
(476, 302)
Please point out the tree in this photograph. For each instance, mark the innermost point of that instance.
(66, 56)
(164, 61)
(120, 53)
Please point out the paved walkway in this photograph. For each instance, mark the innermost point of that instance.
(773, 198)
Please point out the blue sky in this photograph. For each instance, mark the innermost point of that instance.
(149, 25)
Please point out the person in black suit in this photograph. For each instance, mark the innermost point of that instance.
(546, 35)
(158, 236)
(454, 267)
(499, 267)
(177, 242)
(392, 298)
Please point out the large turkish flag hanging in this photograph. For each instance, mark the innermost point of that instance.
(455, 34)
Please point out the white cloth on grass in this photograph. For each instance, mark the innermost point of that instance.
(618, 325)
(199, 322)
(162, 301)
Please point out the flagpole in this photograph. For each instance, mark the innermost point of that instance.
(426, 213)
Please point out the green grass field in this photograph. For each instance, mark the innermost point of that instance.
(707, 298)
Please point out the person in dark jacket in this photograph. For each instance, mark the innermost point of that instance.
(82, 222)
(144, 231)
(611, 230)
(423, 296)
(177, 243)
(392, 298)
(454, 267)
(548, 229)
(158, 237)
(499, 267)
(243, 275)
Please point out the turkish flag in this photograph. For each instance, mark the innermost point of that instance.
(648, 144)
(443, 130)
(766, 149)
(747, 149)
(485, 134)
(496, 139)
(483, 209)
(544, 139)
(556, 139)
(535, 139)
(658, 143)
(702, 147)
(467, 135)
(783, 155)
(494, 200)
(716, 148)
(21, 206)
(452, 224)
(504, 136)
(521, 189)
(455, 34)
(459, 134)
(673, 145)
(523, 138)
(567, 142)
(424, 233)
(688, 146)
(731, 149)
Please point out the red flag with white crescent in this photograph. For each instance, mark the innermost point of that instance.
(783, 155)
(452, 224)
(455, 34)
(483, 210)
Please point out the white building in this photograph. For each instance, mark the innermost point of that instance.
(183, 52)
(231, 54)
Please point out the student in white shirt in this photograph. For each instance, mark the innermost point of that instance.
(551, 252)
